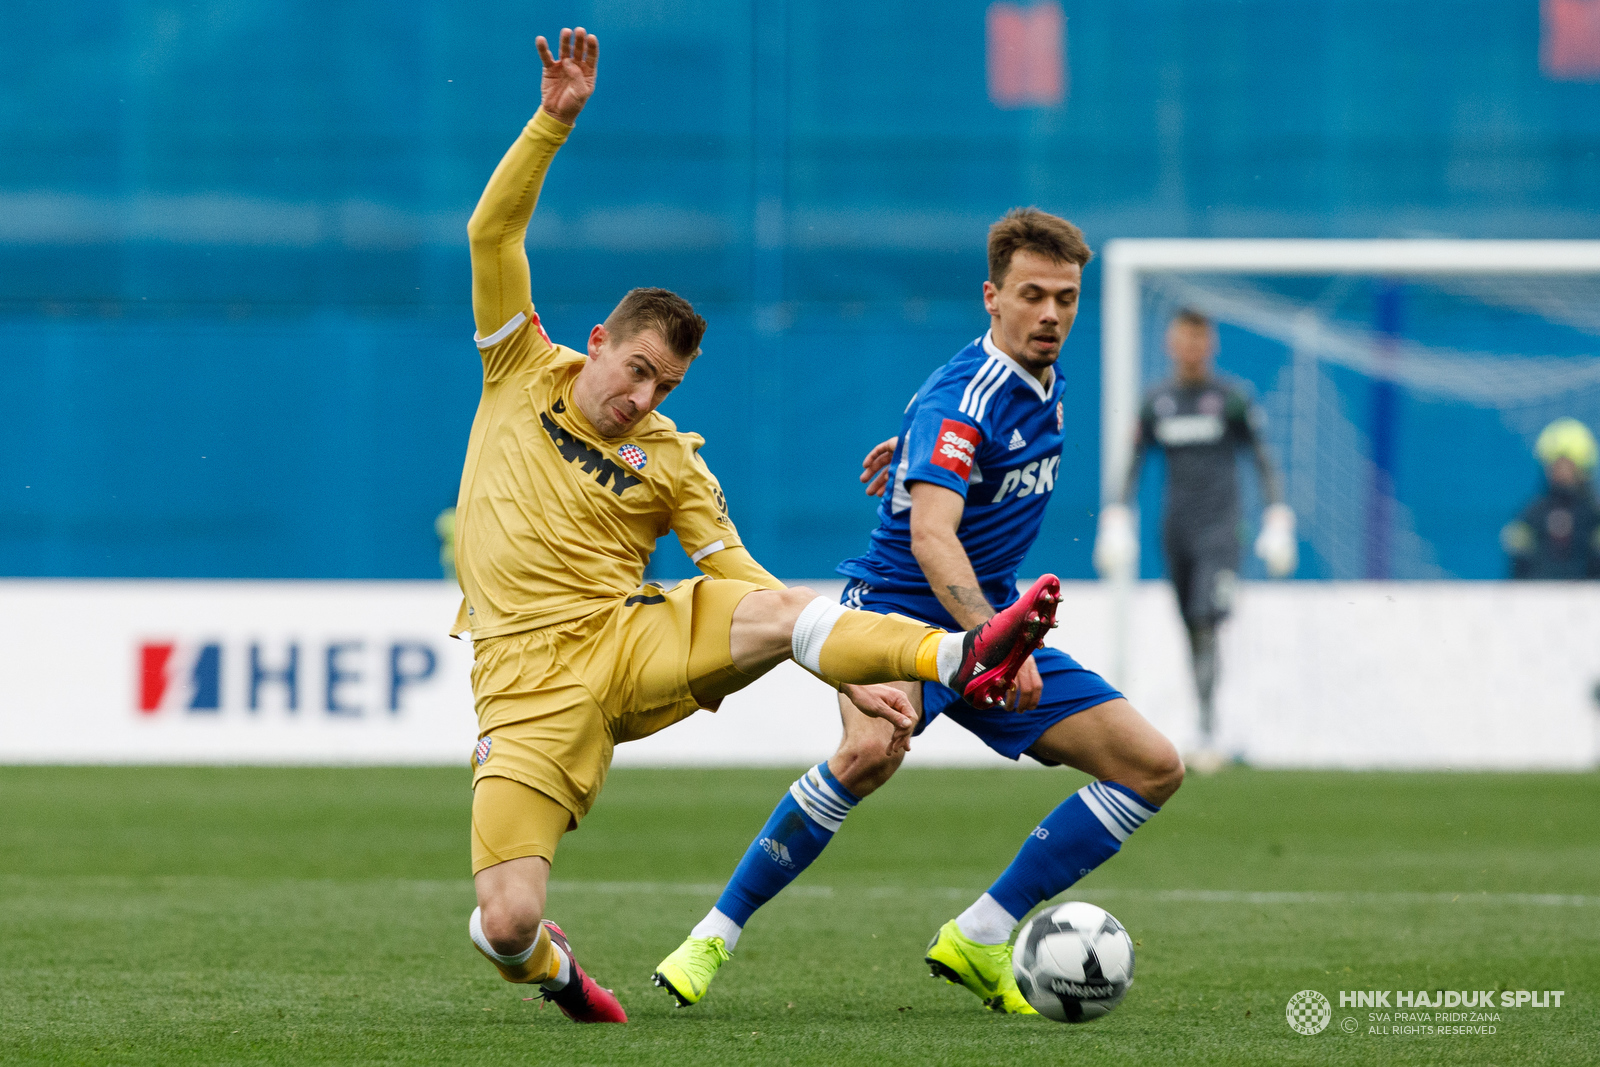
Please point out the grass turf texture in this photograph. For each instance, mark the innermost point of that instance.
(185, 916)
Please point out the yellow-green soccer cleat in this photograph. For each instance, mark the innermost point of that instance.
(687, 973)
(984, 969)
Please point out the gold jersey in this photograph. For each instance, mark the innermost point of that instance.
(554, 521)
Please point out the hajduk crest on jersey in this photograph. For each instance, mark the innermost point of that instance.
(633, 456)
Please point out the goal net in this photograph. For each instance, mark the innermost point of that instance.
(1404, 383)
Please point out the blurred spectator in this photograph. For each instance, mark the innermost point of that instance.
(445, 527)
(1558, 535)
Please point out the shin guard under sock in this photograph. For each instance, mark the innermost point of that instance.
(1082, 832)
(799, 828)
(862, 647)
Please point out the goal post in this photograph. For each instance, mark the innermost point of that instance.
(1210, 274)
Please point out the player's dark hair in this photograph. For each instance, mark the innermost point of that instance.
(1027, 229)
(663, 311)
(1191, 317)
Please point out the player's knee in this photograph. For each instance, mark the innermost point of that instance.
(791, 602)
(1163, 772)
(779, 607)
(863, 768)
(510, 925)
(796, 597)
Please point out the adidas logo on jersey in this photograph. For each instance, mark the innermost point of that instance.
(588, 458)
(1016, 441)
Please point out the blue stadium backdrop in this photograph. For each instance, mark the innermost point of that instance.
(234, 333)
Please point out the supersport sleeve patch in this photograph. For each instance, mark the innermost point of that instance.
(956, 448)
(940, 444)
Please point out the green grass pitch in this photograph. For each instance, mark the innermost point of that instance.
(310, 916)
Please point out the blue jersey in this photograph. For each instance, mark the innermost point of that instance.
(984, 427)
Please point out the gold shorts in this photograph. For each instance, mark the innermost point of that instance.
(554, 703)
(510, 821)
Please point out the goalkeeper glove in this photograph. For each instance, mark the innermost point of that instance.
(1277, 546)
(1115, 546)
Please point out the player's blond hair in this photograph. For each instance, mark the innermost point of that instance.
(668, 314)
(1027, 229)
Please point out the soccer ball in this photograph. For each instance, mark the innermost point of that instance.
(1073, 962)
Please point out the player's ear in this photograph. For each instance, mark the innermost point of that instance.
(597, 339)
(991, 292)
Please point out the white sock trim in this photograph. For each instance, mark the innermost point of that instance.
(716, 924)
(986, 922)
(820, 800)
(949, 661)
(563, 975)
(1117, 811)
(475, 931)
(811, 630)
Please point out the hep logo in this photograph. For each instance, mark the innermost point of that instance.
(202, 669)
(343, 677)
(956, 447)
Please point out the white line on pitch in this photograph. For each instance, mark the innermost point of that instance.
(1196, 896)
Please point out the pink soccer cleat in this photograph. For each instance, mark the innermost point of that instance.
(581, 999)
(995, 651)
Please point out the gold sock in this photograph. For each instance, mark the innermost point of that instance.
(541, 966)
(865, 647)
(928, 657)
(545, 963)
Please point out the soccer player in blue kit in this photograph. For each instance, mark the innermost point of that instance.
(965, 487)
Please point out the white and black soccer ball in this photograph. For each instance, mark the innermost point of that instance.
(1073, 962)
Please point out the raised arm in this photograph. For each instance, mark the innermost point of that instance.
(499, 225)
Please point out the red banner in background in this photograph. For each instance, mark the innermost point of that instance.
(1569, 39)
(1027, 55)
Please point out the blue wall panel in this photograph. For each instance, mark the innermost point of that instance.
(234, 230)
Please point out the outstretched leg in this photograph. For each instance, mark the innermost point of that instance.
(864, 647)
(800, 827)
(1137, 770)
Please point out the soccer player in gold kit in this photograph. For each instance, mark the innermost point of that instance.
(570, 478)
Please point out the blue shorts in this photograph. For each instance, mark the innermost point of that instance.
(1069, 687)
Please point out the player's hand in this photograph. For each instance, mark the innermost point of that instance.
(1278, 546)
(1116, 547)
(568, 77)
(875, 468)
(890, 704)
(1027, 689)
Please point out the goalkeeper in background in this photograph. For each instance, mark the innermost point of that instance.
(1202, 419)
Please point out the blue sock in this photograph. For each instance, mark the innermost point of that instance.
(1083, 832)
(799, 828)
